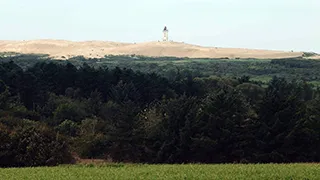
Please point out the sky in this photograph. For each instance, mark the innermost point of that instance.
(258, 24)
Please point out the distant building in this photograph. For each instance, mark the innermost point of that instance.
(165, 34)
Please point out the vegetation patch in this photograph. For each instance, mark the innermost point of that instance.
(216, 111)
(187, 171)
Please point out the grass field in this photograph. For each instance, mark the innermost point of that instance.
(187, 171)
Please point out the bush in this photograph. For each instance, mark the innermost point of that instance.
(68, 128)
(6, 155)
(34, 146)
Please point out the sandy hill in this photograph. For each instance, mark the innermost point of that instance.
(315, 57)
(64, 49)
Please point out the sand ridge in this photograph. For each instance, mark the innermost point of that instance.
(63, 49)
(314, 57)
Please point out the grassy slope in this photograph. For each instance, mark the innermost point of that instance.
(120, 171)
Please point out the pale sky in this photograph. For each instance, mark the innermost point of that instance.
(260, 24)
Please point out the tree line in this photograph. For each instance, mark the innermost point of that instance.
(52, 112)
(257, 69)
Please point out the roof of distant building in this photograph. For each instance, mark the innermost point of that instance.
(165, 28)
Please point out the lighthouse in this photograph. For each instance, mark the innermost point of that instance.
(165, 34)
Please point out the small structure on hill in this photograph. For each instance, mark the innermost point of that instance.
(165, 34)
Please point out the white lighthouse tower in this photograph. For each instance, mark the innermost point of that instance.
(165, 34)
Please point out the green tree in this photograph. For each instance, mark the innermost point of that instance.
(221, 134)
(68, 127)
(4, 95)
(72, 111)
(282, 113)
(38, 146)
(121, 132)
(167, 130)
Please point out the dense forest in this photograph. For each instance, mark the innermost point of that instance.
(158, 110)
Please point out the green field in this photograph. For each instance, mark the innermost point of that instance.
(187, 171)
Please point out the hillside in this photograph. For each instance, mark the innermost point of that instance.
(315, 57)
(63, 49)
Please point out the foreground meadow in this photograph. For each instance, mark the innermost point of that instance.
(187, 171)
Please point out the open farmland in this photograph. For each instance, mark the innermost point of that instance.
(187, 171)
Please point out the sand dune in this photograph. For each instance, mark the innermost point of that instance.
(315, 57)
(62, 49)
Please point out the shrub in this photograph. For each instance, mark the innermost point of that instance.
(35, 146)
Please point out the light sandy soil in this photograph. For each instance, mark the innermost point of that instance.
(62, 49)
(315, 57)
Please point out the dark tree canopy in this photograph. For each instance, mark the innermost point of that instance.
(52, 111)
